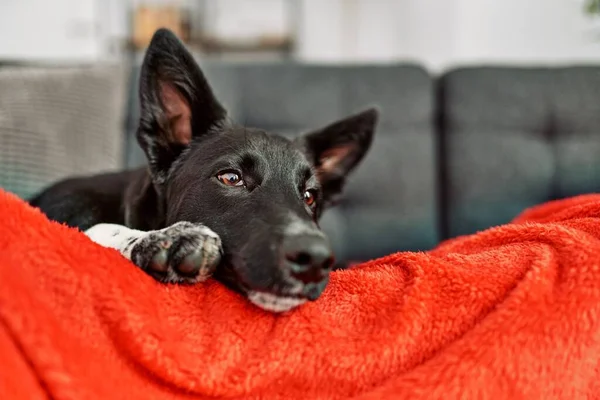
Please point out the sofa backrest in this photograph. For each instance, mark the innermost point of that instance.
(504, 139)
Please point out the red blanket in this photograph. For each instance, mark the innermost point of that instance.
(509, 313)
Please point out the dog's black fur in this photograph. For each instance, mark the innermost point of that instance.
(245, 184)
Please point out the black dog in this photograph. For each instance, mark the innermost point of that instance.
(262, 194)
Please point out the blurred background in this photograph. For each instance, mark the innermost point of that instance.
(488, 106)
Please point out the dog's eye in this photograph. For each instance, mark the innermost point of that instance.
(309, 198)
(230, 178)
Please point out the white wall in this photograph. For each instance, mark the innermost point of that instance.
(58, 29)
(437, 33)
(350, 30)
(446, 33)
(531, 31)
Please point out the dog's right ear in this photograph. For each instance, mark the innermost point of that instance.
(177, 104)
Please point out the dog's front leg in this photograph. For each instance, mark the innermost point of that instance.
(183, 252)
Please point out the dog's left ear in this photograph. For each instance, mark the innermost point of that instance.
(336, 149)
(177, 103)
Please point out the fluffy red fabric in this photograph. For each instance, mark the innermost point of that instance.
(509, 313)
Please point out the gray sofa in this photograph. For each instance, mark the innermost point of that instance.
(453, 155)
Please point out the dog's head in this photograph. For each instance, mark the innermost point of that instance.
(262, 193)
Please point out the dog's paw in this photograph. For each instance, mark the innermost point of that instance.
(182, 253)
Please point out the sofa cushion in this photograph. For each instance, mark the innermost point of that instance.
(576, 101)
(515, 137)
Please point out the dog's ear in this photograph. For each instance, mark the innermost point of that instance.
(336, 149)
(177, 104)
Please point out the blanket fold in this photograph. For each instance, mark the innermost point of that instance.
(508, 313)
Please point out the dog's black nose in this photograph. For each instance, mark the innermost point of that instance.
(309, 256)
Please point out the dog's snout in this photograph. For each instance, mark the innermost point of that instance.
(309, 257)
